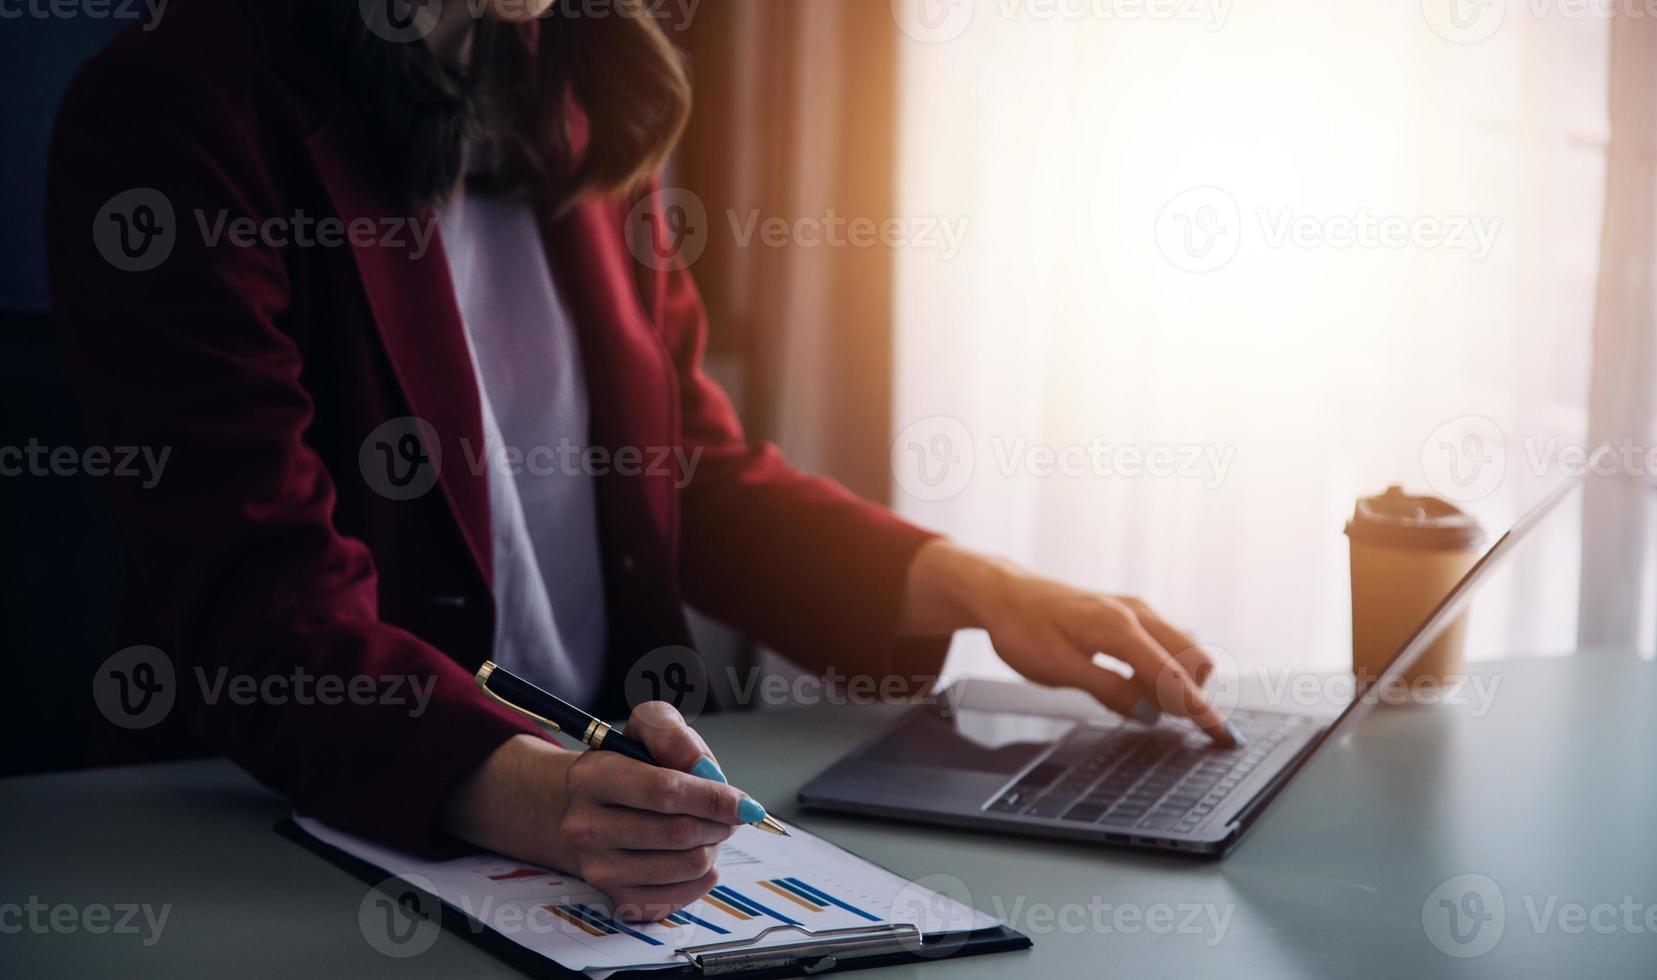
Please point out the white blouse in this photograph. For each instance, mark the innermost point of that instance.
(548, 581)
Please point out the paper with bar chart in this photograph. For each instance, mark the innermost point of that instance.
(801, 881)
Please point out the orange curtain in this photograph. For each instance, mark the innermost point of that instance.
(795, 128)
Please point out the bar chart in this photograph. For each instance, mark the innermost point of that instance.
(767, 885)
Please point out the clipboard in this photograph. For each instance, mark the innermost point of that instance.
(813, 954)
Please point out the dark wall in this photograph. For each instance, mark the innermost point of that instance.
(60, 575)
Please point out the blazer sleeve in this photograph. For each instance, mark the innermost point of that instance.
(797, 562)
(234, 548)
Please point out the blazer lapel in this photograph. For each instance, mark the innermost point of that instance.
(413, 304)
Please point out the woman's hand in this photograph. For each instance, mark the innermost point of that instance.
(1050, 632)
(645, 836)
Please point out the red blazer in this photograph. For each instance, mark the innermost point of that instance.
(266, 549)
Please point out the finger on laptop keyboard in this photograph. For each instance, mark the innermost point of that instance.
(1174, 689)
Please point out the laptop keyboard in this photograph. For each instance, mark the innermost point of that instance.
(1129, 777)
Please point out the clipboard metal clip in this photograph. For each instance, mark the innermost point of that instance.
(819, 952)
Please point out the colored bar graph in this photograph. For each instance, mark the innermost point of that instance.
(729, 910)
(782, 892)
(818, 895)
(610, 924)
(743, 902)
(575, 920)
(598, 923)
(684, 918)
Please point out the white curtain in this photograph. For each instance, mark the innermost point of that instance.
(1287, 252)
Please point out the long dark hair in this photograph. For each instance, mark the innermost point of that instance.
(568, 106)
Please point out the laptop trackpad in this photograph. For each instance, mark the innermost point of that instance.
(973, 740)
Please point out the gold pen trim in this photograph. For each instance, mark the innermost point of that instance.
(482, 679)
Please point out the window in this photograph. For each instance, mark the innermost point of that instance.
(1228, 267)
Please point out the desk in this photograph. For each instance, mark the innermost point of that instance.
(1551, 794)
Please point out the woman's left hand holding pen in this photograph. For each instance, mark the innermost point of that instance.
(647, 836)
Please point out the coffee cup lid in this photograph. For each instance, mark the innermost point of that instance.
(1401, 520)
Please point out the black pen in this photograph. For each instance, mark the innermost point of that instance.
(506, 688)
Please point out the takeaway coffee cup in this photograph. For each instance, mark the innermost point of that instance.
(1407, 553)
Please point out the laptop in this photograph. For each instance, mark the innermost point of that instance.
(1023, 759)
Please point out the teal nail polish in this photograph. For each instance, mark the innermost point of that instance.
(1145, 712)
(708, 769)
(750, 811)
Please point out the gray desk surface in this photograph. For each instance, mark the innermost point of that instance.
(1550, 794)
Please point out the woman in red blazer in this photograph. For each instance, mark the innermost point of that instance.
(241, 211)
